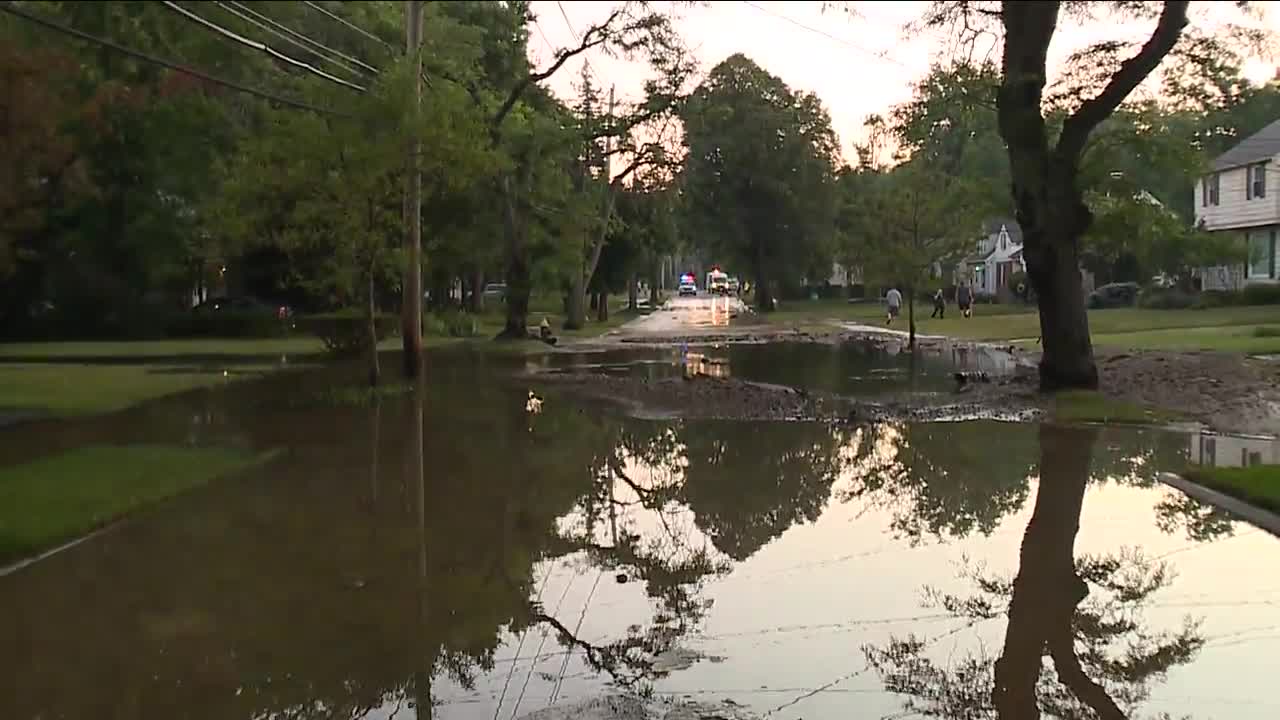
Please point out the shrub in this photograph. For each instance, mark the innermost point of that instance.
(1166, 299)
(346, 333)
(1266, 331)
(450, 323)
(228, 324)
(1262, 295)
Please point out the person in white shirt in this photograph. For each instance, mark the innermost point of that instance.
(892, 299)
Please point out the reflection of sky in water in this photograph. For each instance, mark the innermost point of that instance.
(813, 544)
(789, 624)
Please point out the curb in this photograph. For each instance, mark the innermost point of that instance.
(1264, 519)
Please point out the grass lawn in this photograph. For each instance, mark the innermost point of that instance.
(142, 349)
(73, 389)
(55, 499)
(1258, 485)
(1227, 328)
(1089, 406)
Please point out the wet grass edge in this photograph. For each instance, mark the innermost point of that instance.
(28, 486)
(1195, 483)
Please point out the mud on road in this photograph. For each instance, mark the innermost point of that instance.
(1223, 391)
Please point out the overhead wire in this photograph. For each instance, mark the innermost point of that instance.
(350, 25)
(259, 46)
(171, 65)
(297, 39)
(568, 23)
(825, 34)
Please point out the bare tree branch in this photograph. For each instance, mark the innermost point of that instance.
(595, 36)
(1076, 129)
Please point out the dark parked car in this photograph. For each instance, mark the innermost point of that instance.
(1123, 294)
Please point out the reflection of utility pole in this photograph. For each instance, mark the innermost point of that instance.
(411, 303)
(422, 684)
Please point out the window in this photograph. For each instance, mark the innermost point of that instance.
(1262, 254)
(1255, 181)
(1209, 185)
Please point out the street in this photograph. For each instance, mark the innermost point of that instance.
(689, 315)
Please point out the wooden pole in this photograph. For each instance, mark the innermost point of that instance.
(411, 305)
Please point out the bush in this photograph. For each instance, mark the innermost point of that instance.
(1266, 331)
(450, 323)
(227, 325)
(346, 332)
(1166, 299)
(1262, 295)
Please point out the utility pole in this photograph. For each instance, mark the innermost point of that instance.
(411, 303)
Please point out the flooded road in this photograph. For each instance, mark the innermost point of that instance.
(465, 552)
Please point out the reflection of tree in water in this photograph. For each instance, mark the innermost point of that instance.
(632, 524)
(1083, 614)
(943, 479)
(748, 482)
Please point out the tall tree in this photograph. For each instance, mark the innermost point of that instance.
(1045, 156)
(760, 173)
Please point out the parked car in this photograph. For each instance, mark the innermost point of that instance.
(733, 285)
(1123, 294)
(495, 290)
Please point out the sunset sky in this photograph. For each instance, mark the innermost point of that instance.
(857, 65)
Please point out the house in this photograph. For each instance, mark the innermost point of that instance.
(997, 259)
(1232, 450)
(1241, 195)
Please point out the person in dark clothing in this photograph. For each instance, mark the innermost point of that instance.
(964, 300)
(939, 305)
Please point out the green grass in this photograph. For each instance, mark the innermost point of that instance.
(1087, 406)
(73, 389)
(55, 499)
(1227, 338)
(1227, 328)
(142, 349)
(1258, 485)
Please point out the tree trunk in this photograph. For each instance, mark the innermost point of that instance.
(633, 292)
(602, 306)
(764, 297)
(655, 278)
(576, 312)
(371, 318)
(477, 291)
(1047, 589)
(595, 299)
(519, 283)
(1067, 360)
(911, 318)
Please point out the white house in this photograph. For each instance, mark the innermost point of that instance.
(1241, 195)
(998, 258)
(1232, 450)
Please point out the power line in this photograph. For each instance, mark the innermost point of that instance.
(316, 48)
(825, 34)
(567, 22)
(545, 41)
(357, 28)
(103, 42)
(259, 46)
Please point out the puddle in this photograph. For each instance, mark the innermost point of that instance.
(864, 367)
(550, 555)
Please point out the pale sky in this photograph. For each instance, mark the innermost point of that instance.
(857, 65)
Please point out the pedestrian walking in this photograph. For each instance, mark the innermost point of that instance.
(964, 299)
(939, 305)
(893, 301)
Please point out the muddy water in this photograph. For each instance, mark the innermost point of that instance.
(868, 367)
(547, 553)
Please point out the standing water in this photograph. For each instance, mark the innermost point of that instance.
(550, 553)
